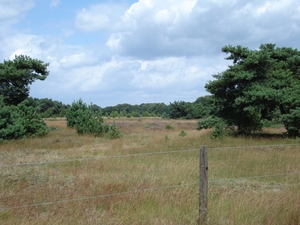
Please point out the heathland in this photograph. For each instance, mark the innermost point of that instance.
(149, 176)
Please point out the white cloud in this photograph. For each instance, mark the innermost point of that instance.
(54, 3)
(12, 9)
(150, 51)
(296, 16)
(22, 44)
(114, 41)
(190, 27)
(93, 19)
(61, 55)
(273, 7)
(76, 60)
(174, 73)
(163, 16)
(99, 17)
(139, 9)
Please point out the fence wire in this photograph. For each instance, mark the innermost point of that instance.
(255, 146)
(253, 177)
(97, 158)
(141, 190)
(140, 154)
(100, 196)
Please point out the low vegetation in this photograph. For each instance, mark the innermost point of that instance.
(82, 179)
(20, 121)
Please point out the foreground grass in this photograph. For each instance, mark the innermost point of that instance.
(148, 188)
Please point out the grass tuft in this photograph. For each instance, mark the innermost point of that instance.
(240, 192)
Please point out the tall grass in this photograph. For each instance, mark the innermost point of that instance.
(240, 190)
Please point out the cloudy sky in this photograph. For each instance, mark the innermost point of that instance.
(110, 52)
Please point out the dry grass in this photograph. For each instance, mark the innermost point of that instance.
(250, 200)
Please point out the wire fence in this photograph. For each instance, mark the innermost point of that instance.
(139, 154)
(97, 158)
(100, 196)
(170, 186)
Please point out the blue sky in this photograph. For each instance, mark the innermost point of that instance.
(147, 51)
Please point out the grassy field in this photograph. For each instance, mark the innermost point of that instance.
(64, 178)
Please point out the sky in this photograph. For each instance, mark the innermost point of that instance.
(138, 51)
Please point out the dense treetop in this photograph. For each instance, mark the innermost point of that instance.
(16, 76)
(262, 84)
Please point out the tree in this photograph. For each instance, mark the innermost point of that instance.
(207, 103)
(11, 126)
(16, 76)
(74, 112)
(259, 83)
(114, 114)
(179, 109)
(20, 121)
(49, 108)
(86, 121)
(32, 121)
(186, 110)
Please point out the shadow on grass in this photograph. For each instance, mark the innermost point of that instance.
(261, 135)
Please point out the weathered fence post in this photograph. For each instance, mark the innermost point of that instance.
(203, 188)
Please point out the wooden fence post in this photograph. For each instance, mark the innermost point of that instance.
(203, 188)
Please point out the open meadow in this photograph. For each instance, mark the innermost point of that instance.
(149, 176)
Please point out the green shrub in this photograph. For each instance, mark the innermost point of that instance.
(165, 116)
(86, 121)
(32, 121)
(11, 126)
(213, 122)
(219, 131)
(20, 121)
(112, 131)
(75, 112)
(292, 122)
(182, 133)
(167, 138)
(169, 127)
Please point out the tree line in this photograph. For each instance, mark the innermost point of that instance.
(260, 87)
(201, 108)
(22, 116)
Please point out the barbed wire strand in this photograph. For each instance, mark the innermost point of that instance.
(253, 177)
(254, 146)
(140, 154)
(97, 158)
(142, 190)
(99, 196)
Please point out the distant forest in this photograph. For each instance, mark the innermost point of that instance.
(201, 108)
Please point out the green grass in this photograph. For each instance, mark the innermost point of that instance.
(237, 195)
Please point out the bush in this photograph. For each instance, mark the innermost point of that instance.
(74, 113)
(32, 121)
(219, 131)
(182, 133)
(112, 131)
(292, 122)
(169, 127)
(86, 121)
(213, 122)
(20, 121)
(11, 126)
